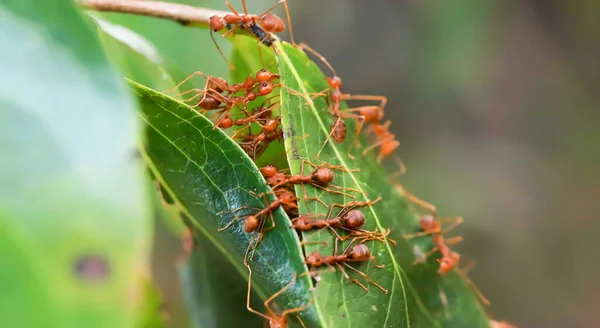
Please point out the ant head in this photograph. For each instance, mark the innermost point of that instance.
(250, 223)
(216, 23)
(354, 219)
(265, 88)
(226, 123)
(269, 171)
(271, 23)
(323, 176)
(304, 223)
(360, 252)
(315, 259)
(265, 76)
(209, 103)
(338, 131)
(334, 82)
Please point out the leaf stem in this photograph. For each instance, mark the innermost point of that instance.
(182, 14)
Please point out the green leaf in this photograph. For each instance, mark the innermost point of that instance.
(137, 58)
(341, 302)
(206, 173)
(74, 228)
(215, 290)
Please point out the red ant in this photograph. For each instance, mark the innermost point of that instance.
(255, 145)
(275, 320)
(450, 259)
(217, 85)
(267, 23)
(386, 141)
(432, 226)
(349, 219)
(258, 115)
(320, 177)
(371, 114)
(253, 222)
(357, 253)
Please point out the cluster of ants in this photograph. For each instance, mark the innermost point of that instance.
(258, 127)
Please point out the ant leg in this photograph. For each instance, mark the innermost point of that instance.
(187, 79)
(212, 36)
(457, 220)
(304, 46)
(324, 164)
(235, 12)
(350, 278)
(377, 144)
(453, 240)
(248, 296)
(297, 93)
(244, 6)
(415, 199)
(279, 292)
(230, 223)
(198, 91)
(316, 200)
(335, 191)
(329, 136)
(402, 170)
(287, 13)
(477, 292)
(422, 233)
(382, 99)
(366, 277)
(426, 255)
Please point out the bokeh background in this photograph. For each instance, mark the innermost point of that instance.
(496, 104)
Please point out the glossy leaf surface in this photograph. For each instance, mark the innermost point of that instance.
(208, 175)
(413, 299)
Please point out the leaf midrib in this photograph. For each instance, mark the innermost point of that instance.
(183, 208)
(324, 129)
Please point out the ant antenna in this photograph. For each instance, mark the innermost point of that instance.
(304, 46)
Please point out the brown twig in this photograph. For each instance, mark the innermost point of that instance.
(185, 15)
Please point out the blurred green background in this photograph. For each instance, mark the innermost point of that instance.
(495, 105)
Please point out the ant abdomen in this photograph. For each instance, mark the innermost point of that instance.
(354, 219)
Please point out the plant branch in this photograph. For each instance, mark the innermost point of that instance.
(183, 14)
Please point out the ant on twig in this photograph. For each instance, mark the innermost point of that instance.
(261, 26)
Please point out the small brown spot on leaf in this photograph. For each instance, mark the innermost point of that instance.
(92, 268)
